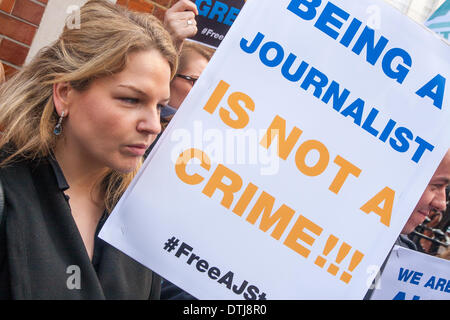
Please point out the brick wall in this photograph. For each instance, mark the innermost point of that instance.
(156, 7)
(19, 21)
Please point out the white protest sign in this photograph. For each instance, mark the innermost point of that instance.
(412, 275)
(295, 161)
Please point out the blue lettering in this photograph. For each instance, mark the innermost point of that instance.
(416, 278)
(338, 100)
(367, 125)
(288, 65)
(351, 32)
(400, 71)
(310, 13)
(264, 52)
(423, 145)
(327, 17)
(218, 11)
(367, 39)
(430, 283)
(319, 84)
(355, 110)
(203, 7)
(331, 21)
(437, 83)
(231, 16)
(255, 44)
(272, 54)
(404, 275)
(440, 284)
(402, 296)
(387, 130)
(400, 133)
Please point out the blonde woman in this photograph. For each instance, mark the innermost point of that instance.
(76, 122)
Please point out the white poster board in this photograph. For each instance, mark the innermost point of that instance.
(356, 136)
(412, 275)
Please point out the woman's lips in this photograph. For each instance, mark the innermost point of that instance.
(136, 150)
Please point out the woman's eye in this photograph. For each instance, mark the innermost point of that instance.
(129, 100)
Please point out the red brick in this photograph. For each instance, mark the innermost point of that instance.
(140, 5)
(17, 30)
(164, 3)
(122, 3)
(9, 71)
(13, 52)
(7, 5)
(29, 11)
(159, 13)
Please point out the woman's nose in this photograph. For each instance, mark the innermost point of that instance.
(150, 122)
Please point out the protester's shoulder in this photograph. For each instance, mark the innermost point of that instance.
(18, 162)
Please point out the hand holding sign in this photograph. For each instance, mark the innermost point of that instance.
(179, 20)
(215, 19)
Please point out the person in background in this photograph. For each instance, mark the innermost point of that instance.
(179, 21)
(444, 252)
(77, 120)
(433, 199)
(194, 58)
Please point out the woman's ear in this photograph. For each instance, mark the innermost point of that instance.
(61, 99)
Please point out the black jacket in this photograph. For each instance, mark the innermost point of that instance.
(42, 255)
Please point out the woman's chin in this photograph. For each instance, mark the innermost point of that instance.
(127, 166)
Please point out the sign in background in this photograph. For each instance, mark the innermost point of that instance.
(412, 275)
(440, 20)
(215, 19)
(353, 121)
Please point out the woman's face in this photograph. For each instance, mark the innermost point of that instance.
(113, 122)
(180, 87)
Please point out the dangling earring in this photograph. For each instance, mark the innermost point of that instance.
(58, 128)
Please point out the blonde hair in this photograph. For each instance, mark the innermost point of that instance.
(2, 73)
(190, 47)
(107, 34)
